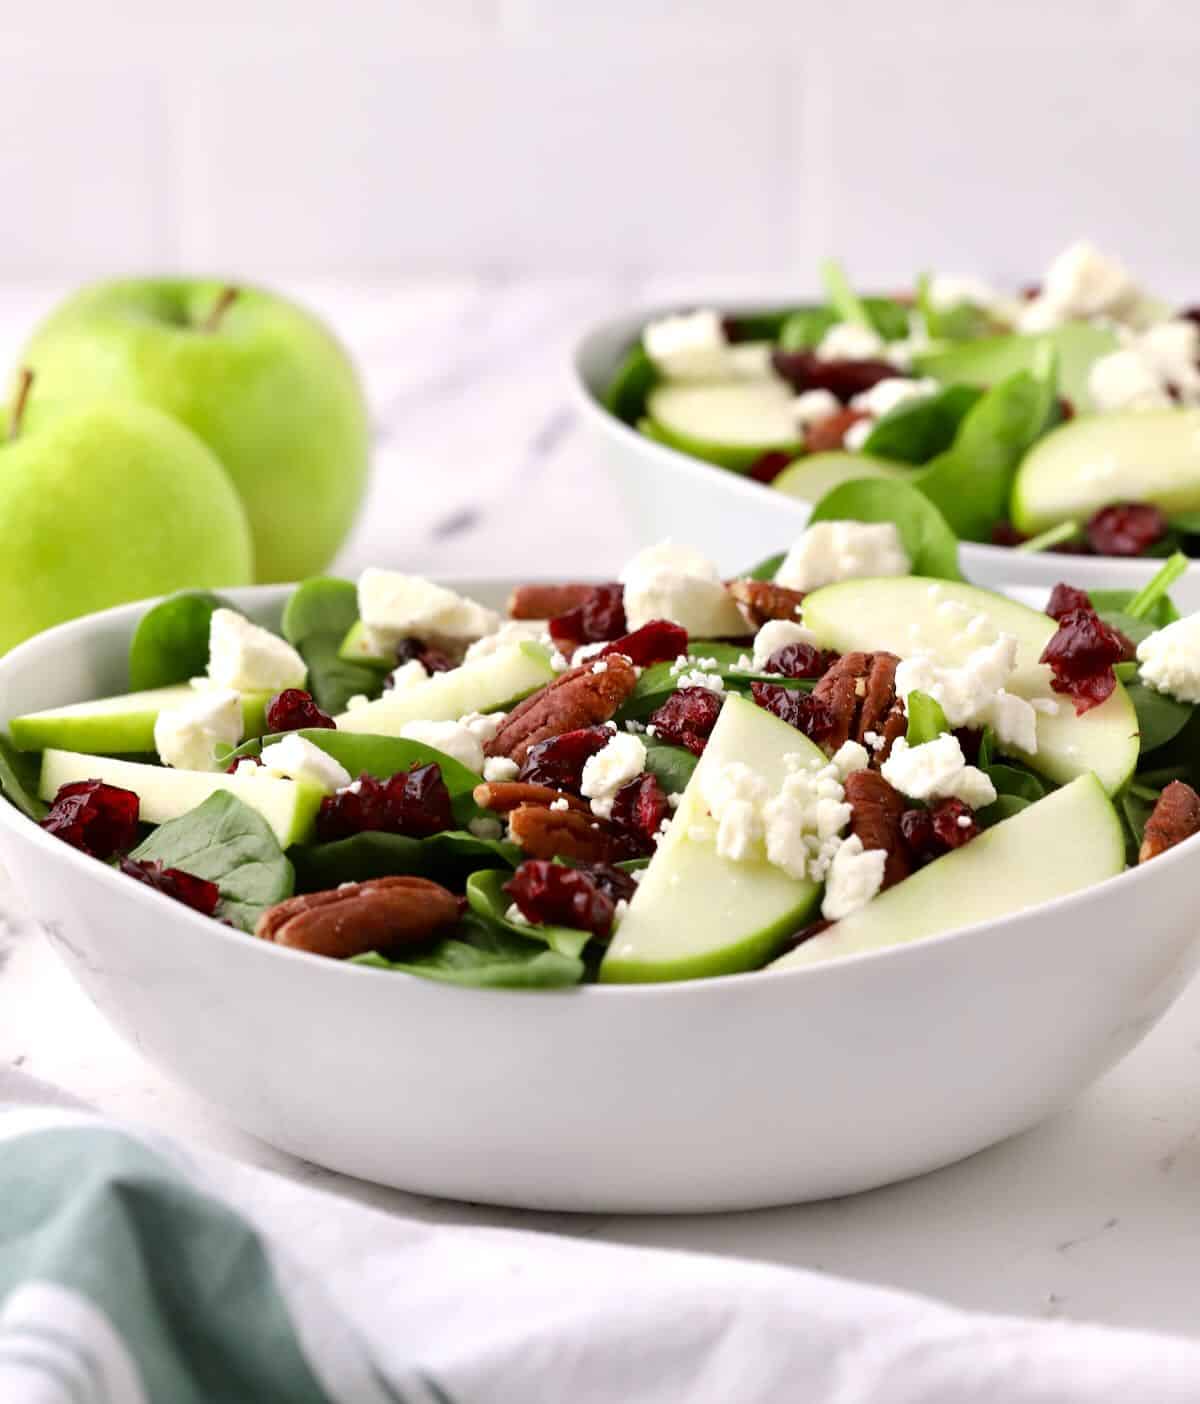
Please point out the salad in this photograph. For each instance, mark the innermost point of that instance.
(667, 776)
(1066, 418)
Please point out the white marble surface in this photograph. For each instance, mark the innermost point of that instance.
(1092, 1216)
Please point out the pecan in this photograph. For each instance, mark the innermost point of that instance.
(1175, 817)
(762, 600)
(580, 697)
(828, 435)
(860, 690)
(875, 810)
(546, 600)
(383, 914)
(503, 796)
(565, 833)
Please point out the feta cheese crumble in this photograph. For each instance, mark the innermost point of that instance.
(848, 341)
(409, 674)
(774, 635)
(973, 693)
(950, 290)
(1154, 370)
(688, 346)
(1080, 284)
(394, 606)
(296, 758)
(452, 738)
(855, 876)
(812, 406)
(887, 395)
(186, 737)
(679, 583)
(937, 770)
(511, 631)
(484, 725)
(1169, 660)
(498, 770)
(832, 551)
(621, 759)
(247, 658)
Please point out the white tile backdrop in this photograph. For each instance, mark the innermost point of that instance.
(283, 138)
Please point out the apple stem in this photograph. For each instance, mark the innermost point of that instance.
(222, 305)
(24, 385)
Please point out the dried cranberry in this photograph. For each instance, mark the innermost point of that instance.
(558, 761)
(1005, 534)
(947, 816)
(94, 817)
(806, 933)
(433, 660)
(550, 894)
(768, 466)
(1126, 529)
(1066, 409)
(800, 660)
(198, 893)
(1081, 655)
(969, 741)
(656, 642)
(802, 710)
(599, 618)
(916, 828)
(639, 808)
(804, 370)
(413, 802)
(687, 718)
(828, 435)
(1066, 598)
(616, 882)
(294, 710)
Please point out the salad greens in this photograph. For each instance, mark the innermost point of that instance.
(487, 955)
(19, 780)
(929, 542)
(918, 430)
(486, 898)
(448, 857)
(170, 643)
(317, 618)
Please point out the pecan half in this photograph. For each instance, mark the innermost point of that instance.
(860, 691)
(829, 434)
(1175, 817)
(546, 601)
(577, 698)
(383, 914)
(763, 600)
(503, 796)
(565, 833)
(875, 810)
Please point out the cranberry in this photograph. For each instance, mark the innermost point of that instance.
(802, 710)
(1066, 409)
(687, 718)
(198, 893)
(916, 829)
(550, 894)
(413, 802)
(616, 882)
(1126, 529)
(829, 434)
(1081, 655)
(294, 710)
(800, 660)
(949, 831)
(806, 933)
(768, 466)
(639, 808)
(804, 370)
(433, 660)
(1005, 534)
(1066, 598)
(1190, 314)
(599, 618)
(94, 817)
(558, 761)
(656, 642)
(969, 741)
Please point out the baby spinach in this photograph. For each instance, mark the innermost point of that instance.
(671, 766)
(226, 842)
(321, 605)
(842, 297)
(1149, 598)
(762, 326)
(486, 956)
(631, 385)
(170, 643)
(926, 720)
(890, 318)
(1135, 805)
(332, 680)
(316, 619)
(930, 543)
(805, 327)
(919, 430)
(964, 321)
(1160, 718)
(19, 779)
(487, 899)
(1002, 807)
(1015, 780)
(661, 679)
(448, 857)
(1185, 523)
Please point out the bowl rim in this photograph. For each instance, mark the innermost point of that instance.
(250, 596)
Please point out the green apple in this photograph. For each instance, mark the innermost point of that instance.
(259, 380)
(106, 504)
(1070, 840)
(357, 647)
(288, 806)
(1139, 456)
(906, 616)
(984, 362)
(811, 478)
(118, 725)
(696, 914)
(728, 424)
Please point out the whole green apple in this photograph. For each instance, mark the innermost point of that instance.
(105, 504)
(263, 383)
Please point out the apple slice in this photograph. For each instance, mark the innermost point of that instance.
(488, 684)
(1143, 456)
(905, 617)
(1070, 840)
(288, 806)
(727, 424)
(118, 725)
(357, 647)
(696, 914)
(811, 478)
(1076, 346)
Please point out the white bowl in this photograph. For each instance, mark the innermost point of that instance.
(740, 522)
(731, 1093)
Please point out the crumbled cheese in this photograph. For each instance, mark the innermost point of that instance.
(1155, 370)
(500, 769)
(483, 725)
(950, 290)
(296, 758)
(679, 583)
(187, 736)
(511, 631)
(484, 828)
(1081, 283)
(620, 760)
(1046, 705)
(873, 740)
(1013, 720)
(937, 770)
(560, 804)
(394, 606)
(516, 916)
(774, 635)
(973, 694)
(246, 768)
(586, 651)
(812, 406)
(675, 800)
(1169, 660)
(688, 346)
(855, 876)
(964, 821)
(559, 662)
(247, 658)
(410, 674)
(714, 682)
(634, 727)
(848, 758)
(734, 796)
(847, 341)
(450, 737)
(600, 667)
(886, 395)
(357, 702)
(620, 909)
(832, 551)
(854, 440)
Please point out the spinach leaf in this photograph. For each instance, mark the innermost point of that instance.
(763, 326)
(927, 538)
(1135, 810)
(486, 956)
(1160, 718)
(661, 679)
(226, 842)
(921, 429)
(1186, 523)
(487, 899)
(448, 858)
(19, 779)
(1002, 807)
(1015, 780)
(1148, 597)
(965, 321)
(926, 720)
(842, 297)
(889, 318)
(805, 327)
(170, 643)
(316, 619)
(671, 766)
(631, 385)
(322, 605)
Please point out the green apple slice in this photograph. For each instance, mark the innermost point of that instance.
(984, 362)
(488, 684)
(289, 807)
(1142, 456)
(727, 424)
(696, 914)
(811, 478)
(904, 616)
(119, 725)
(357, 647)
(1070, 840)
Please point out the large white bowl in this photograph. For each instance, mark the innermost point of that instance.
(722, 1094)
(740, 522)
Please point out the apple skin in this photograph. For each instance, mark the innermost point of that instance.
(269, 390)
(108, 504)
